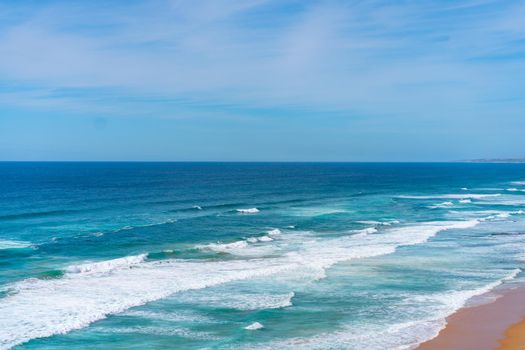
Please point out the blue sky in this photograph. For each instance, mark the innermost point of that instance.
(262, 80)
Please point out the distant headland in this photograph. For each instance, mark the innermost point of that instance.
(496, 160)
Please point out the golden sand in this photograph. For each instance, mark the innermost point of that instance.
(514, 337)
(485, 327)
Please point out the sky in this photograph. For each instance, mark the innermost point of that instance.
(262, 80)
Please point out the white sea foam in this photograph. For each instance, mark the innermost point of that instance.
(89, 292)
(107, 265)
(198, 207)
(442, 205)
(496, 214)
(512, 189)
(254, 326)
(365, 231)
(8, 244)
(239, 301)
(453, 196)
(159, 331)
(464, 201)
(315, 211)
(378, 223)
(505, 201)
(40, 308)
(259, 239)
(224, 247)
(457, 299)
(274, 232)
(248, 211)
(177, 316)
(518, 183)
(400, 336)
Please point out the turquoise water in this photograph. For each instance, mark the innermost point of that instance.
(250, 256)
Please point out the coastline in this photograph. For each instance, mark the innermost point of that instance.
(497, 324)
(514, 337)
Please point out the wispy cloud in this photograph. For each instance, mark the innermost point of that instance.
(363, 56)
(424, 63)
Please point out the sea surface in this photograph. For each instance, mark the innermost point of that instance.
(250, 255)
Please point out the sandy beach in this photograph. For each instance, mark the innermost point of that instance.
(514, 337)
(496, 325)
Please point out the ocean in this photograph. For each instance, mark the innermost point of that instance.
(117, 255)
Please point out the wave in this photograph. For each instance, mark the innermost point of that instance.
(224, 247)
(465, 201)
(452, 196)
(378, 223)
(36, 214)
(107, 265)
(496, 214)
(239, 301)
(254, 326)
(518, 183)
(365, 231)
(314, 211)
(400, 336)
(8, 244)
(90, 292)
(259, 239)
(274, 232)
(182, 332)
(457, 299)
(442, 205)
(132, 227)
(241, 247)
(248, 211)
(173, 316)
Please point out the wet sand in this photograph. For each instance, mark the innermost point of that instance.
(490, 326)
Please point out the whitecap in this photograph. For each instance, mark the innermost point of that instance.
(248, 211)
(107, 265)
(274, 232)
(518, 183)
(239, 301)
(224, 247)
(377, 223)
(452, 196)
(442, 205)
(175, 316)
(8, 244)
(365, 231)
(254, 326)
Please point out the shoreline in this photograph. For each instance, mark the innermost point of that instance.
(497, 324)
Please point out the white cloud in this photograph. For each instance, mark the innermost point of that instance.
(371, 57)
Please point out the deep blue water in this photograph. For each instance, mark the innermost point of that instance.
(187, 255)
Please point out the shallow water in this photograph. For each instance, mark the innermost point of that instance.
(248, 255)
